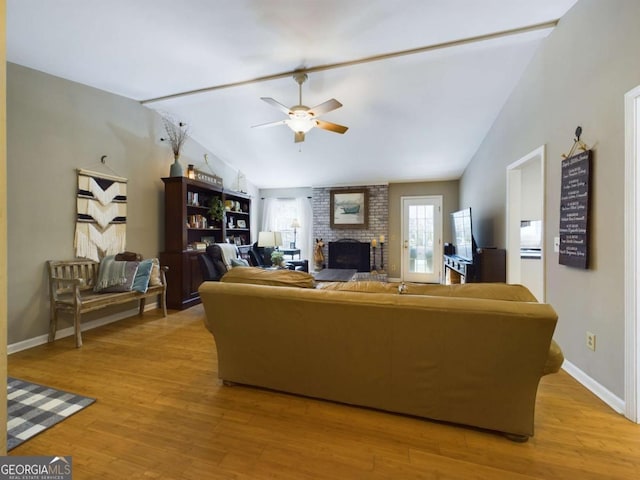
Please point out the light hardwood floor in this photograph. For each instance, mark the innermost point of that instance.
(162, 413)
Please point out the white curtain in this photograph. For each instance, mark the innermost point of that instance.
(305, 232)
(269, 215)
(278, 215)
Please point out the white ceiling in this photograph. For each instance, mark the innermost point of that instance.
(412, 117)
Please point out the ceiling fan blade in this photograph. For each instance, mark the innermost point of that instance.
(325, 107)
(276, 104)
(298, 137)
(270, 124)
(332, 127)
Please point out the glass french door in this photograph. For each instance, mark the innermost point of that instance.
(422, 239)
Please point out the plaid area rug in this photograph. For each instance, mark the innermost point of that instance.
(32, 408)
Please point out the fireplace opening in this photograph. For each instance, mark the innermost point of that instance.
(349, 253)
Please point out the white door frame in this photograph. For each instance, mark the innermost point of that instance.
(513, 217)
(437, 249)
(631, 256)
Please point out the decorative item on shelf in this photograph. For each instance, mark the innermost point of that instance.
(295, 224)
(193, 199)
(197, 221)
(217, 209)
(241, 182)
(177, 134)
(212, 178)
(231, 223)
(228, 205)
(191, 171)
(199, 246)
(207, 178)
(242, 224)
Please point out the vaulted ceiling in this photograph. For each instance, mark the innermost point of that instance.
(417, 100)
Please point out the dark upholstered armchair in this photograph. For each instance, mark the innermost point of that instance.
(207, 267)
(256, 255)
(215, 262)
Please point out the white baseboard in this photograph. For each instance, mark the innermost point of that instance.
(608, 397)
(67, 332)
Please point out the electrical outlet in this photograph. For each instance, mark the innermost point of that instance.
(591, 341)
(556, 244)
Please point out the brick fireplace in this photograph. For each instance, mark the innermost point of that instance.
(350, 253)
(378, 221)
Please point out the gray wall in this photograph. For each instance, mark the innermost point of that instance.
(53, 127)
(578, 77)
(449, 192)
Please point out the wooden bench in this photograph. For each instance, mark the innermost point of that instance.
(71, 289)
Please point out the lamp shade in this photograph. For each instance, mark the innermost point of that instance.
(295, 223)
(269, 239)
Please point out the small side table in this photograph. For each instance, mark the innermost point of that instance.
(291, 252)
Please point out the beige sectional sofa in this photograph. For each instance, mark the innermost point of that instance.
(470, 354)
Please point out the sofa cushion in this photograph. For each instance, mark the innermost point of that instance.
(215, 255)
(492, 291)
(115, 276)
(361, 286)
(154, 278)
(261, 276)
(143, 274)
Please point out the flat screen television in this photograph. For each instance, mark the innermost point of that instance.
(463, 234)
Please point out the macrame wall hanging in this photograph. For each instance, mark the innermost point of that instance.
(101, 223)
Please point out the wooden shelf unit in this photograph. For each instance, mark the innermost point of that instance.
(187, 223)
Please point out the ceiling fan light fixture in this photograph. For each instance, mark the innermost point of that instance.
(300, 124)
(302, 118)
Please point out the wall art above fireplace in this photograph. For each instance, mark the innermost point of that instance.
(349, 208)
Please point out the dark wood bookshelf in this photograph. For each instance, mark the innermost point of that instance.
(188, 227)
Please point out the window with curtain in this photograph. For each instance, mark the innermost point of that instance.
(279, 215)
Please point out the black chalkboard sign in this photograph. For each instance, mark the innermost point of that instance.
(574, 210)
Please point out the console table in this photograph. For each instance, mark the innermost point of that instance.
(488, 265)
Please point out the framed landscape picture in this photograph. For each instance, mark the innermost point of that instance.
(349, 208)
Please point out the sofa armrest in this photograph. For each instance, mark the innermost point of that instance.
(555, 359)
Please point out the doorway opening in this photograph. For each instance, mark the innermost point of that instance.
(632, 255)
(525, 222)
(422, 239)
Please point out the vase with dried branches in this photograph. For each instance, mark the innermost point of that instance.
(177, 134)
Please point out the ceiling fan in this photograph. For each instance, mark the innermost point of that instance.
(302, 118)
